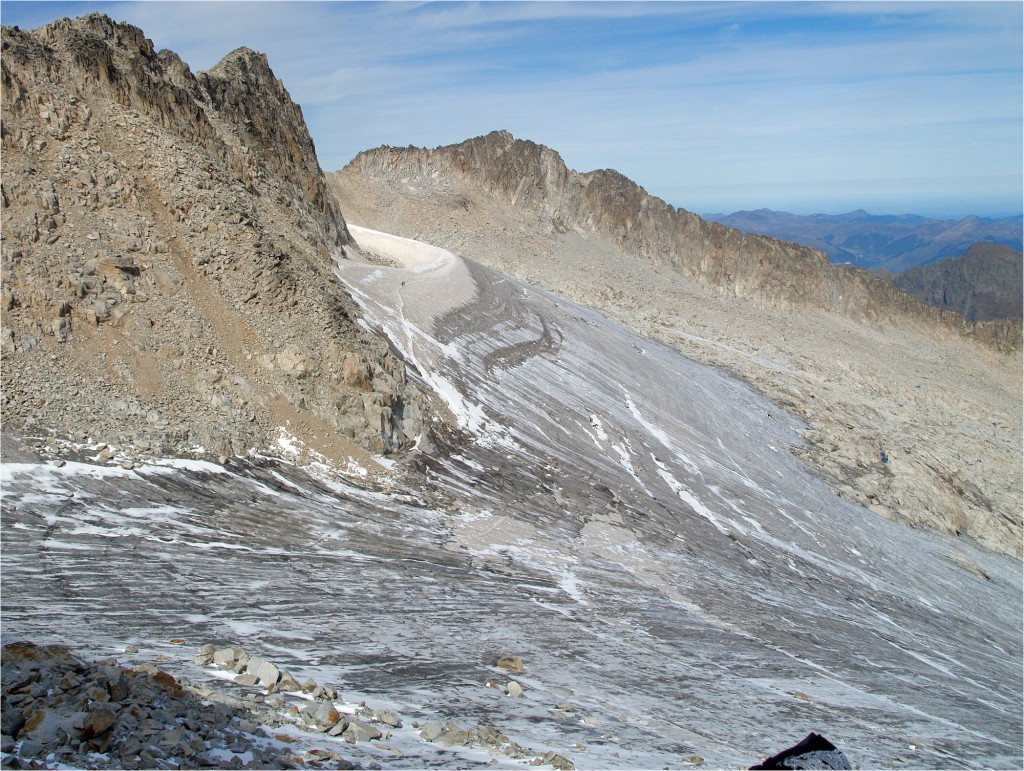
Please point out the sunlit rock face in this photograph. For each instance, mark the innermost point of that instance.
(168, 243)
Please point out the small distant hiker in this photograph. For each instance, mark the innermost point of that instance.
(815, 752)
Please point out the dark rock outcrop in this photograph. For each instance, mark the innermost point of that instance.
(985, 284)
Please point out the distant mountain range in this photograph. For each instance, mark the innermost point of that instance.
(887, 242)
(982, 285)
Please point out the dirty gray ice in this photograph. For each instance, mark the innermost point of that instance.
(632, 524)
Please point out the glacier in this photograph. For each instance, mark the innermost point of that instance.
(633, 525)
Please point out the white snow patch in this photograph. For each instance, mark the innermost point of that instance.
(570, 584)
(183, 464)
(319, 465)
(415, 256)
(624, 451)
(469, 462)
(685, 495)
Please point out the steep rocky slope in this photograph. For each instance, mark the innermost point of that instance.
(167, 248)
(986, 283)
(912, 412)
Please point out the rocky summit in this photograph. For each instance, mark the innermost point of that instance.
(534, 183)
(459, 459)
(167, 249)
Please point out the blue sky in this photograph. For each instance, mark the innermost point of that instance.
(807, 107)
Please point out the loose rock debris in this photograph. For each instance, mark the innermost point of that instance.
(59, 709)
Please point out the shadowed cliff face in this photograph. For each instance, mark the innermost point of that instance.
(984, 284)
(168, 243)
(534, 181)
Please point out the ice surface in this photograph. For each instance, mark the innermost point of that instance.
(631, 524)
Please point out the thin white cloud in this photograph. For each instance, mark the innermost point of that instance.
(724, 96)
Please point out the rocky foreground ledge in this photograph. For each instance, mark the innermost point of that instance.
(60, 710)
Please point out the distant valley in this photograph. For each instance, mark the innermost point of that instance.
(894, 243)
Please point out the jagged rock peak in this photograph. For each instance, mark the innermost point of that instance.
(259, 130)
(269, 124)
(101, 26)
(250, 73)
(187, 216)
(243, 56)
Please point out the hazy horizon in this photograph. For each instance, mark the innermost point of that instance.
(951, 214)
(893, 108)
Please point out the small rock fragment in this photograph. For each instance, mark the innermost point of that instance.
(431, 731)
(559, 762)
(268, 673)
(511, 663)
(288, 683)
(388, 718)
(358, 731)
(225, 657)
(97, 721)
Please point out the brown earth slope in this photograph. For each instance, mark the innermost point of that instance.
(167, 248)
(912, 412)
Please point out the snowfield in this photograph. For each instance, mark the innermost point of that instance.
(629, 523)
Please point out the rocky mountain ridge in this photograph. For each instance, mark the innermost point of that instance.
(983, 284)
(167, 257)
(911, 412)
(878, 242)
(535, 182)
